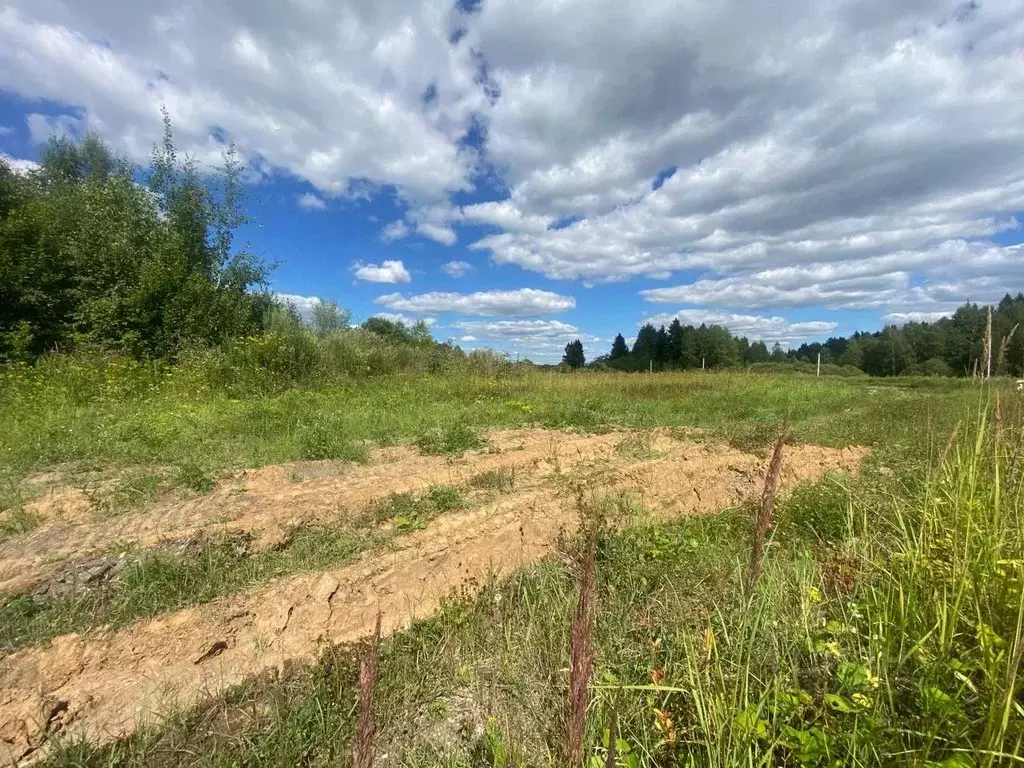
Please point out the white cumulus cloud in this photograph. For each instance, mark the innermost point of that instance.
(302, 304)
(398, 317)
(19, 165)
(391, 271)
(848, 154)
(523, 302)
(456, 268)
(311, 202)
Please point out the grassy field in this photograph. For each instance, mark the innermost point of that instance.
(887, 626)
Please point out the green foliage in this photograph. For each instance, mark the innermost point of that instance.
(195, 477)
(322, 439)
(413, 513)
(502, 480)
(455, 438)
(819, 512)
(90, 258)
(574, 356)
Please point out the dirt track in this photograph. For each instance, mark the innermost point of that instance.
(103, 684)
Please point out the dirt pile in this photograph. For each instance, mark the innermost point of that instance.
(103, 684)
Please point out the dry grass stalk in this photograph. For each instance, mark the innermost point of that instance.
(949, 446)
(987, 349)
(581, 652)
(613, 734)
(1004, 347)
(369, 667)
(765, 515)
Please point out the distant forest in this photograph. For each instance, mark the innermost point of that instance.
(951, 346)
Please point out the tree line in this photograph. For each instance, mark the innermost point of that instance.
(96, 254)
(950, 346)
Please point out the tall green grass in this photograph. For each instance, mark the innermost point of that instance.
(118, 412)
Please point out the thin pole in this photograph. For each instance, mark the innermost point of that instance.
(819, 364)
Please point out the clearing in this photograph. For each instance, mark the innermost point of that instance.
(103, 684)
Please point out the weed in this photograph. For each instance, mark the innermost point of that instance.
(445, 498)
(16, 520)
(765, 514)
(820, 511)
(456, 438)
(581, 653)
(134, 492)
(369, 667)
(637, 446)
(195, 477)
(412, 513)
(322, 440)
(501, 480)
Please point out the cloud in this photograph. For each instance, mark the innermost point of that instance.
(540, 340)
(759, 327)
(902, 318)
(943, 276)
(456, 268)
(311, 202)
(302, 304)
(396, 230)
(830, 164)
(6, 130)
(440, 234)
(18, 165)
(505, 215)
(524, 302)
(331, 93)
(510, 329)
(398, 317)
(42, 127)
(391, 271)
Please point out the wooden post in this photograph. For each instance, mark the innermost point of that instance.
(819, 365)
(702, 363)
(651, 370)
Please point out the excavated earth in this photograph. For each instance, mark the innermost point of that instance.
(102, 685)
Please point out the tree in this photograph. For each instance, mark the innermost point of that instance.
(88, 257)
(329, 317)
(619, 348)
(645, 347)
(758, 353)
(388, 329)
(574, 356)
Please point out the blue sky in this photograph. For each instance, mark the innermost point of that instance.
(792, 172)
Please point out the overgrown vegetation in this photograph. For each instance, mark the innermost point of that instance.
(885, 629)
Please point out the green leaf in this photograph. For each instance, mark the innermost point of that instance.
(841, 704)
(751, 725)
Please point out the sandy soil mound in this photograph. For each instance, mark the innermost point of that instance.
(273, 500)
(104, 684)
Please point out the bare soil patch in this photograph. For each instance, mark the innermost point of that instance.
(102, 685)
